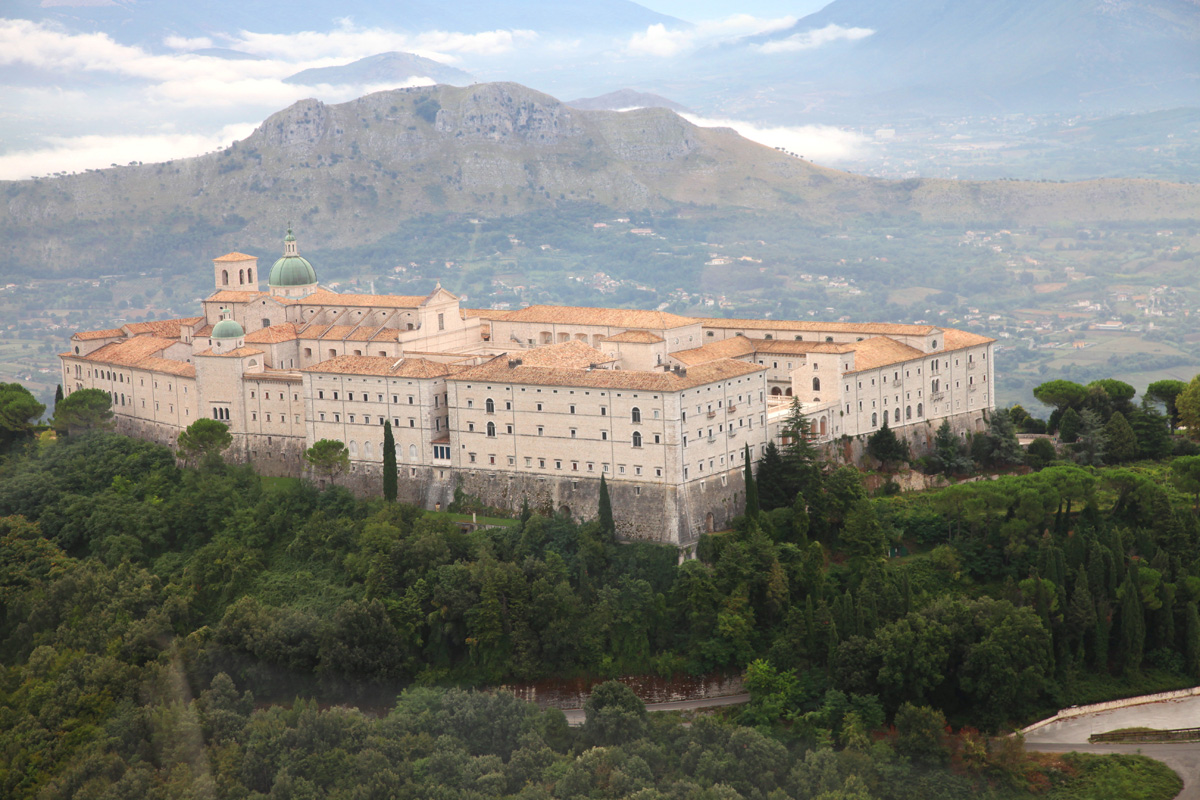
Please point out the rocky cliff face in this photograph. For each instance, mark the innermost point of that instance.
(347, 173)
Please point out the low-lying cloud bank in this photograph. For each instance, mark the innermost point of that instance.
(823, 144)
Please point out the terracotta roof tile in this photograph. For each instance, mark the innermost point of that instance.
(234, 296)
(486, 313)
(383, 366)
(603, 317)
(324, 297)
(635, 337)
(498, 370)
(878, 328)
(880, 351)
(129, 352)
(107, 333)
(202, 332)
(239, 352)
(714, 351)
(166, 328)
(168, 366)
(565, 355)
(236, 256)
(955, 339)
(275, 334)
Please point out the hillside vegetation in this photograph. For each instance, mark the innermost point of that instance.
(349, 174)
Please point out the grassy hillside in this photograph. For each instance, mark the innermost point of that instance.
(348, 174)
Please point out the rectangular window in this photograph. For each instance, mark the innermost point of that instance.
(471, 456)
(541, 430)
(572, 409)
(572, 433)
(541, 463)
(604, 436)
(603, 411)
(557, 464)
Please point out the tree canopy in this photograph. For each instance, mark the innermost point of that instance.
(83, 410)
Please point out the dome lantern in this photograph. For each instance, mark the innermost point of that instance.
(292, 271)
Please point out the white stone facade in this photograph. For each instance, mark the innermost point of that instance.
(535, 403)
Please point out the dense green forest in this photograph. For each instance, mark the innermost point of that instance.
(158, 623)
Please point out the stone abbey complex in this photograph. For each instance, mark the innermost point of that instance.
(534, 404)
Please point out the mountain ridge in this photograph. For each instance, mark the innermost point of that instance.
(347, 172)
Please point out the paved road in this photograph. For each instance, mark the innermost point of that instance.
(1069, 735)
(575, 715)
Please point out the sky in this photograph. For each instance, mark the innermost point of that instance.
(72, 101)
(693, 10)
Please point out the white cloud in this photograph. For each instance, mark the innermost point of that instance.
(659, 41)
(183, 43)
(808, 40)
(823, 144)
(79, 153)
(349, 42)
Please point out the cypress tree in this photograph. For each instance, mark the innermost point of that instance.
(606, 514)
(1081, 614)
(1133, 623)
(390, 474)
(752, 507)
(800, 518)
(58, 395)
(1103, 635)
(1192, 653)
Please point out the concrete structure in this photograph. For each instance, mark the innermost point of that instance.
(534, 404)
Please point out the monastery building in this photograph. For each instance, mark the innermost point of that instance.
(534, 404)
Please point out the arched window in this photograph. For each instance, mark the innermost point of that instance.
(816, 384)
(250, 276)
(920, 410)
(874, 420)
(241, 277)
(829, 339)
(636, 416)
(491, 428)
(412, 452)
(823, 426)
(908, 412)
(637, 438)
(353, 449)
(788, 392)
(224, 277)
(490, 406)
(896, 415)
(368, 451)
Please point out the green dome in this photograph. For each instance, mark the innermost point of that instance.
(292, 271)
(227, 329)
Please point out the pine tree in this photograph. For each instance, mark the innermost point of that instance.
(1152, 430)
(884, 446)
(390, 474)
(1122, 441)
(948, 456)
(606, 513)
(773, 490)
(1004, 449)
(752, 506)
(1092, 446)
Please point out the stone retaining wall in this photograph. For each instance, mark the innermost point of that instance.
(1079, 711)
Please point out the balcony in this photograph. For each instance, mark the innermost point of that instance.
(712, 414)
(731, 409)
(937, 397)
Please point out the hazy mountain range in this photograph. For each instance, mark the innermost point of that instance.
(385, 68)
(347, 174)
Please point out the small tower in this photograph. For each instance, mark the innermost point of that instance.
(292, 275)
(236, 271)
(227, 334)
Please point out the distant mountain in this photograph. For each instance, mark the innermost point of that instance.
(148, 23)
(979, 55)
(626, 98)
(349, 173)
(382, 69)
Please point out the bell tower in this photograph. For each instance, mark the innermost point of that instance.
(236, 271)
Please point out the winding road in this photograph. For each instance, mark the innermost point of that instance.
(1071, 735)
